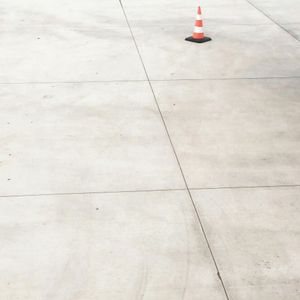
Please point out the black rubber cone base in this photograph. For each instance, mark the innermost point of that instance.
(205, 39)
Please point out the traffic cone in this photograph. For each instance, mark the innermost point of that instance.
(198, 34)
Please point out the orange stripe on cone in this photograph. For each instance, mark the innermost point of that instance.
(199, 23)
(198, 36)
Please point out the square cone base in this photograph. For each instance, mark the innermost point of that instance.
(203, 40)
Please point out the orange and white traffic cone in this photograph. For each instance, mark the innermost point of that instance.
(198, 34)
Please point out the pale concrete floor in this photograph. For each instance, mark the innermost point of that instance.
(135, 165)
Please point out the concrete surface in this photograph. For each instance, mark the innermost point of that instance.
(86, 137)
(185, 186)
(258, 229)
(112, 246)
(234, 132)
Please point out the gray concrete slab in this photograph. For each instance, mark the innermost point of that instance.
(170, 3)
(294, 29)
(280, 12)
(255, 235)
(56, 54)
(112, 246)
(160, 14)
(56, 41)
(237, 51)
(83, 138)
(79, 119)
(234, 132)
(60, 13)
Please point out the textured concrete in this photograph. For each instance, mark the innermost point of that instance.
(85, 137)
(122, 246)
(238, 51)
(294, 29)
(286, 12)
(246, 42)
(44, 41)
(184, 187)
(255, 235)
(235, 132)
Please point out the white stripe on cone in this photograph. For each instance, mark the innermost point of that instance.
(198, 17)
(198, 29)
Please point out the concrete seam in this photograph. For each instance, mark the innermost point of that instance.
(271, 19)
(176, 157)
